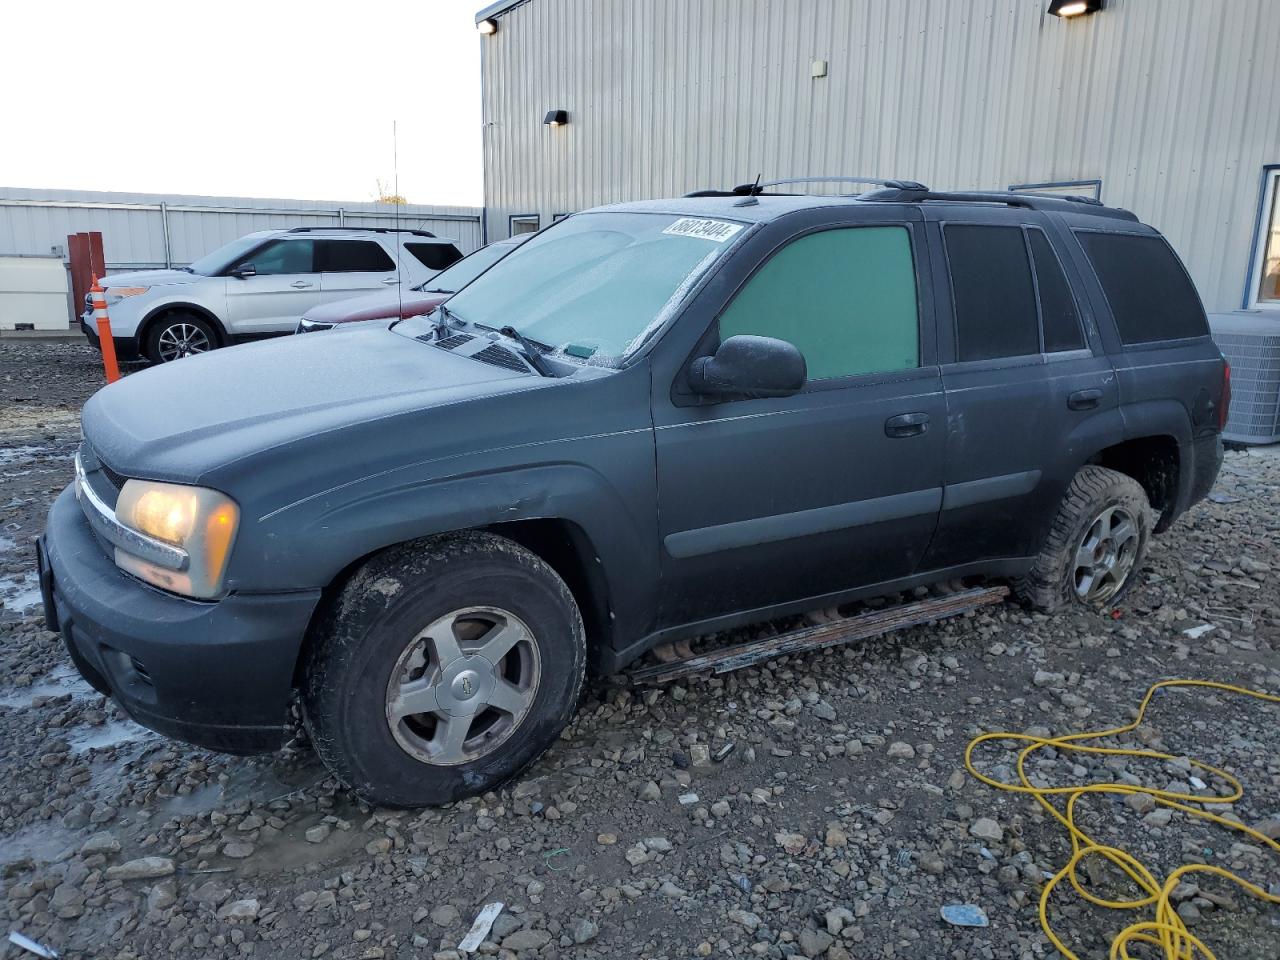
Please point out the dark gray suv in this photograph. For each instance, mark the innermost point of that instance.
(652, 421)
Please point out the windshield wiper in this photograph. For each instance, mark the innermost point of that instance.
(435, 290)
(532, 351)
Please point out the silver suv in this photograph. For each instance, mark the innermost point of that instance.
(259, 286)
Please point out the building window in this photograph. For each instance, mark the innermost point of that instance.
(524, 223)
(1264, 278)
(1061, 188)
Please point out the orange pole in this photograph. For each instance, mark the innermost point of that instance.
(105, 342)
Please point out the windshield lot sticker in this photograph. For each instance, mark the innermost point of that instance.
(717, 230)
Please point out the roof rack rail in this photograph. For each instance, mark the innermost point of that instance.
(758, 189)
(420, 233)
(1025, 201)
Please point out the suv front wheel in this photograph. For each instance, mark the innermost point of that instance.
(442, 669)
(1096, 545)
(178, 335)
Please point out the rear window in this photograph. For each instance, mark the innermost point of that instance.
(1150, 294)
(354, 256)
(434, 256)
(995, 298)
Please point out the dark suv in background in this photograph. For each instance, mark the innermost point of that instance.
(651, 421)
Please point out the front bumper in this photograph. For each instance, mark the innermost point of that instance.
(217, 675)
(127, 348)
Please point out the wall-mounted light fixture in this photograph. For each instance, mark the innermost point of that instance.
(487, 27)
(1073, 8)
(556, 118)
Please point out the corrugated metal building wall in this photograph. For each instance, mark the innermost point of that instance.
(1173, 104)
(153, 230)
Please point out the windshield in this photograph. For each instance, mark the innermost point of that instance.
(595, 285)
(454, 278)
(214, 263)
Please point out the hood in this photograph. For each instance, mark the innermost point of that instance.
(181, 420)
(385, 304)
(150, 278)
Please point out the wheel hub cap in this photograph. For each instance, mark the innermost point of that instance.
(462, 685)
(1105, 556)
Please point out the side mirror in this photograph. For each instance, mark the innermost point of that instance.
(244, 270)
(750, 367)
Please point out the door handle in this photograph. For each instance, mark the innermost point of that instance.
(906, 425)
(391, 280)
(1084, 399)
(300, 284)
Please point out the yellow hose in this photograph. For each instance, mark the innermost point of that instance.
(1167, 930)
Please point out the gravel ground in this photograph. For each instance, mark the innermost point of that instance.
(838, 826)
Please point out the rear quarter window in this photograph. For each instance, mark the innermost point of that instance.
(434, 256)
(1150, 295)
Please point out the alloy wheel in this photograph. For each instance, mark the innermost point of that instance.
(1105, 556)
(463, 685)
(180, 340)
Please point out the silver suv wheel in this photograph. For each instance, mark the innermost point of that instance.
(463, 685)
(178, 340)
(1105, 555)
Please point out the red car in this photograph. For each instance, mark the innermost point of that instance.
(389, 304)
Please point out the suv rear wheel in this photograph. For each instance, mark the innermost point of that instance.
(1096, 544)
(442, 669)
(178, 335)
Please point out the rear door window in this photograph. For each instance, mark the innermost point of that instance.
(1057, 307)
(1150, 295)
(995, 298)
(846, 298)
(354, 256)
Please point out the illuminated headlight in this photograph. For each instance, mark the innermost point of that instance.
(116, 294)
(201, 523)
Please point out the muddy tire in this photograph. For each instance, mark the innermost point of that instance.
(1095, 547)
(442, 669)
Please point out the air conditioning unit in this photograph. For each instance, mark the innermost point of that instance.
(1251, 344)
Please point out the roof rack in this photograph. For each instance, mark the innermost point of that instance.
(758, 189)
(420, 233)
(1026, 201)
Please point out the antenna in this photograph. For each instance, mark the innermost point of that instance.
(395, 175)
(750, 199)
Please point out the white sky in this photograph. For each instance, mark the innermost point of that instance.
(275, 98)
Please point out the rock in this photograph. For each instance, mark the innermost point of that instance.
(669, 889)
(318, 834)
(984, 828)
(583, 930)
(836, 836)
(700, 755)
(720, 809)
(1158, 817)
(607, 839)
(144, 868)
(899, 750)
(100, 843)
(650, 792)
(1043, 678)
(237, 850)
(657, 844)
(1140, 803)
(814, 943)
(526, 940)
(1269, 828)
(823, 711)
(162, 895)
(239, 910)
(744, 918)
(792, 843)
(445, 915)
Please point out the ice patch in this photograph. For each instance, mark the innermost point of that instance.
(11, 456)
(62, 681)
(110, 734)
(20, 592)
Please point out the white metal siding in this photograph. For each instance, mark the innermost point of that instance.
(133, 224)
(1173, 104)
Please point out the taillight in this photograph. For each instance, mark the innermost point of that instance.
(1224, 405)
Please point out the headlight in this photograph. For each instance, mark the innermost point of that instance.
(116, 294)
(200, 522)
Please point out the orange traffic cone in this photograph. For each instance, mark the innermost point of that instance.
(105, 342)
